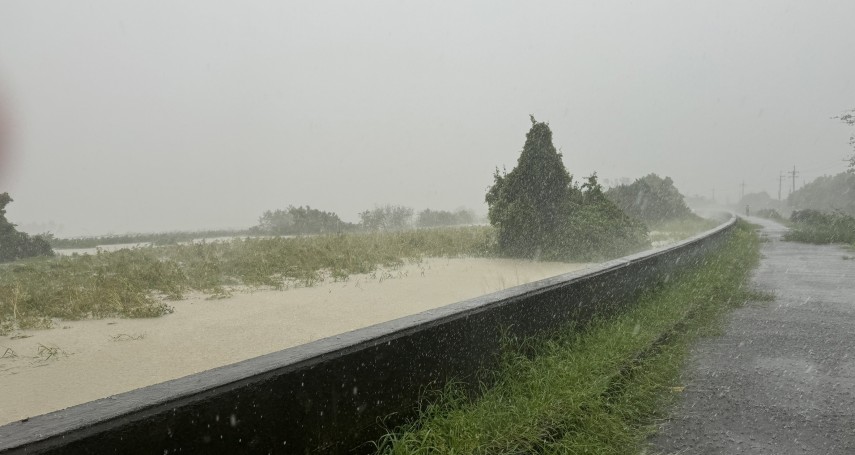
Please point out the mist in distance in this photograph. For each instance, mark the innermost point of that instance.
(156, 116)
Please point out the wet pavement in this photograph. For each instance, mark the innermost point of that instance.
(781, 378)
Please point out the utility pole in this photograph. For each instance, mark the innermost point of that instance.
(793, 174)
(743, 191)
(780, 180)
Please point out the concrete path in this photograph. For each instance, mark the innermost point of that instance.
(781, 379)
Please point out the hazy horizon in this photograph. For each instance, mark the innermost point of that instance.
(163, 116)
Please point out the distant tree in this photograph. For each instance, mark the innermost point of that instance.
(300, 220)
(387, 218)
(826, 193)
(527, 205)
(277, 222)
(18, 245)
(650, 198)
(435, 218)
(757, 201)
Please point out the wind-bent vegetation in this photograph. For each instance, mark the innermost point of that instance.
(595, 390)
(812, 226)
(133, 282)
(538, 210)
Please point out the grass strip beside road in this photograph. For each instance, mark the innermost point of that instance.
(597, 390)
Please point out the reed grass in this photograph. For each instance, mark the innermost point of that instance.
(139, 282)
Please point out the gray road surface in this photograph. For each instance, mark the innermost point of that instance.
(781, 379)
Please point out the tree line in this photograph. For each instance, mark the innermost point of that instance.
(306, 220)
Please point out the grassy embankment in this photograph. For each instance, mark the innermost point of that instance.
(135, 282)
(596, 390)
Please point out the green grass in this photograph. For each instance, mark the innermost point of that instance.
(135, 282)
(596, 390)
(810, 226)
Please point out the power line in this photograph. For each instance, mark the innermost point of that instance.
(793, 174)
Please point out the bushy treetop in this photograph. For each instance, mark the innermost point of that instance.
(650, 198)
(539, 212)
(526, 203)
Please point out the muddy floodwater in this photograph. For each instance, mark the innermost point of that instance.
(80, 361)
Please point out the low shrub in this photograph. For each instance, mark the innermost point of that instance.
(813, 226)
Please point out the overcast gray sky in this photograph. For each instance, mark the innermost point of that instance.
(162, 115)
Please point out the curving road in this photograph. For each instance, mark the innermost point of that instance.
(781, 378)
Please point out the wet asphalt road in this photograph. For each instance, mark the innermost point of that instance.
(781, 379)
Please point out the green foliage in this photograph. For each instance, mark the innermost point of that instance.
(386, 218)
(539, 212)
(528, 205)
(300, 220)
(435, 218)
(135, 282)
(596, 228)
(813, 226)
(826, 193)
(593, 390)
(650, 199)
(16, 245)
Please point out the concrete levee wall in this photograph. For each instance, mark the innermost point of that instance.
(337, 394)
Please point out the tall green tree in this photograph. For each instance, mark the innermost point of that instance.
(528, 204)
(538, 210)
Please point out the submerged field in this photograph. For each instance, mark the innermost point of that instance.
(80, 361)
(589, 391)
(145, 280)
(140, 282)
